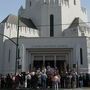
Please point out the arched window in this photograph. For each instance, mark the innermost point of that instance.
(74, 2)
(81, 56)
(51, 25)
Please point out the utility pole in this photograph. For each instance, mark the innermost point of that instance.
(17, 48)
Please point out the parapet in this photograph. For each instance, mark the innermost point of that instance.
(56, 2)
(52, 2)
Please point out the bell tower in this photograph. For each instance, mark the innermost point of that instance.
(42, 13)
(50, 16)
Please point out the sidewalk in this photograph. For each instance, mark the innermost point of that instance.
(49, 89)
(59, 89)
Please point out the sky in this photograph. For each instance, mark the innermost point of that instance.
(11, 7)
(86, 4)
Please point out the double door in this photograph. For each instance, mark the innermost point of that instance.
(61, 65)
(49, 60)
(40, 64)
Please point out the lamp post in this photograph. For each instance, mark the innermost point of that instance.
(17, 48)
(8, 38)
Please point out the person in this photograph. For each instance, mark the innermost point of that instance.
(44, 69)
(17, 80)
(25, 81)
(73, 81)
(21, 82)
(56, 81)
(34, 80)
(2, 82)
(28, 80)
(43, 79)
(9, 81)
(62, 79)
(39, 79)
(13, 80)
(81, 80)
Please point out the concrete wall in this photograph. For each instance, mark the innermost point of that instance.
(47, 10)
(75, 43)
(11, 31)
(88, 52)
(84, 31)
(40, 11)
(66, 42)
(9, 57)
(77, 31)
(64, 12)
(69, 12)
(73, 32)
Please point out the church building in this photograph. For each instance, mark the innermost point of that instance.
(50, 32)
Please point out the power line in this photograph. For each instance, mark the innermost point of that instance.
(65, 24)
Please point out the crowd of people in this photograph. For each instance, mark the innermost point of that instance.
(46, 77)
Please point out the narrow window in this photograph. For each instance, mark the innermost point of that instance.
(81, 56)
(51, 25)
(30, 3)
(9, 54)
(74, 2)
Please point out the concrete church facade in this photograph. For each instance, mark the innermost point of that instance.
(51, 32)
